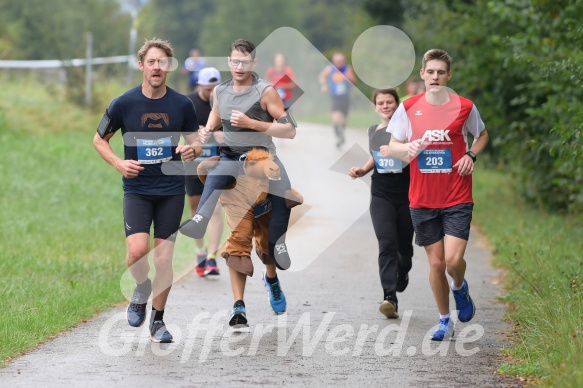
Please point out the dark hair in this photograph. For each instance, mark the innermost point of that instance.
(391, 91)
(163, 45)
(436, 54)
(243, 46)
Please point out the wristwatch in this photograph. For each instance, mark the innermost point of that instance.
(472, 155)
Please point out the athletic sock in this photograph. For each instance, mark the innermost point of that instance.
(271, 280)
(444, 316)
(453, 287)
(211, 256)
(158, 314)
(145, 287)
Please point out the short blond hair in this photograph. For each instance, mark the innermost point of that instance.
(162, 44)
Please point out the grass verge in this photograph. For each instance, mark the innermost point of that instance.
(542, 255)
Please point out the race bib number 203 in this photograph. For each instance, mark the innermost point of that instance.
(435, 160)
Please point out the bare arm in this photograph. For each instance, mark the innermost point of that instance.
(401, 150)
(350, 75)
(128, 168)
(214, 121)
(358, 172)
(465, 165)
(274, 105)
(480, 143)
(192, 149)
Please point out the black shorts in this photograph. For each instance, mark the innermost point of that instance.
(139, 211)
(341, 104)
(193, 185)
(432, 224)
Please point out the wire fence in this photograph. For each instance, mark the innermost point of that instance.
(88, 62)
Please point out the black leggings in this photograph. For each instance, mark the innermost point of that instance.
(392, 224)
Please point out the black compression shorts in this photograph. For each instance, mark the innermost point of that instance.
(193, 185)
(165, 211)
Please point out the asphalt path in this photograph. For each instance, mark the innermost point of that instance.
(332, 333)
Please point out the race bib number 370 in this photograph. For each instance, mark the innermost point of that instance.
(154, 151)
(209, 150)
(385, 164)
(435, 160)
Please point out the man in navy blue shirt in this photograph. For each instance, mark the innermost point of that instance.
(152, 117)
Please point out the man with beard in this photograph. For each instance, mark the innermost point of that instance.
(152, 117)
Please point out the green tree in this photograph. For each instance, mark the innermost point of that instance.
(253, 21)
(545, 51)
(389, 12)
(213, 25)
(55, 30)
(179, 21)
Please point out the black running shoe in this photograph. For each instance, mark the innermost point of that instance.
(402, 282)
(280, 255)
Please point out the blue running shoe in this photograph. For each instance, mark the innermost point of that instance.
(464, 303)
(276, 296)
(211, 267)
(136, 314)
(444, 331)
(159, 333)
(238, 317)
(136, 311)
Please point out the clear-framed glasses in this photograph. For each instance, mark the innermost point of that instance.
(237, 62)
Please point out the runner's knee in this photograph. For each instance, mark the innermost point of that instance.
(437, 265)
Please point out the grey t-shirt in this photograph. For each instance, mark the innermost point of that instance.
(249, 103)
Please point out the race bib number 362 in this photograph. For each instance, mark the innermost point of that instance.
(435, 160)
(154, 151)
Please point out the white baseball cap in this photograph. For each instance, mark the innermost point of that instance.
(209, 76)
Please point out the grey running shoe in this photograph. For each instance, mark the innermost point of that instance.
(136, 310)
(159, 333)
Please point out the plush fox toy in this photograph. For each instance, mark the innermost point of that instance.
(247, 207)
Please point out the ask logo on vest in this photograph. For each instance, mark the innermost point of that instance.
(436, 135)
